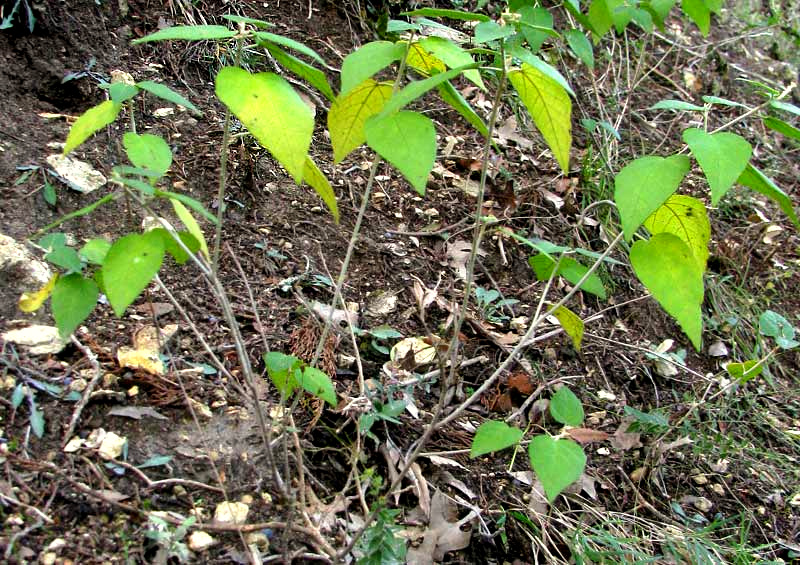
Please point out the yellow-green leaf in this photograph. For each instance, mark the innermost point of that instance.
(32, 301)
(317, 180)
(92, 120)
(185, 216)
(272, 111)
(348, 114)
(550, 108)
(426, 63)
(572, 324)
(669, 270)
(453, 56)
(643, 185)
(687, 218)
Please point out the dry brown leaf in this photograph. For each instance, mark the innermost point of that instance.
(587, 435)
(521, 382)
(443, 534)
(623, 440)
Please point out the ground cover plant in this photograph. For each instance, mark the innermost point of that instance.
(509, 283)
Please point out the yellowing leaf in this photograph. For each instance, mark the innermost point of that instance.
(687, 218)
(418, 58)
(92, 120)
(348, 114)
(32, 301)
(453, 56)
(550, 108)
(572, 324)
(191, 226)
(317, 180)
(272, 111)
(669, 270)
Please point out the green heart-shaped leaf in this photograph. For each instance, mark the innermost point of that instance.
(566, 408)
(722, 156)
(557, 462)
(669, 270)
(494, 436)
(645, 184)
(74, 298)
(408, 141)
(272, 111)
(687, 218)
(129, 267)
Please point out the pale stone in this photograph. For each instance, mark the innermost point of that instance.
(200, 540)
(78, 175)
(29, 271)
(703, 504)
(41, 340)
(57, 544)
(111, 446)
(78, 385)
(261, 541)
(73, 445)
(231, 513)
(48, 558)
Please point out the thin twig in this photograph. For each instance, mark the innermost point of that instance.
(87, 393)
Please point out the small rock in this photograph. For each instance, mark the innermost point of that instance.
(718, 489)
(73, 445)
(700, 479)
(720, 466)
(638, 474)
(200, 540)
(381, 304)
(246, 499)
(717, 349)
(261, 541)
(605, 395)
(231, 513)
(42, 340)
(48, 558)
(78, 175)
(519, 324)
(20, 272)
(345, 361)
(703, 504)
(78, 385)
(57, 544)
(14, 520)
(202, 410)
(111, 446)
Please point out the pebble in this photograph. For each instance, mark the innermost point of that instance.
(57, 544)
(200, 540)
(231, 513)
(48, 558)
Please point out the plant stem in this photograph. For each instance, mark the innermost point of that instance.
(223, 174)
(478, 228)
(337, 294)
